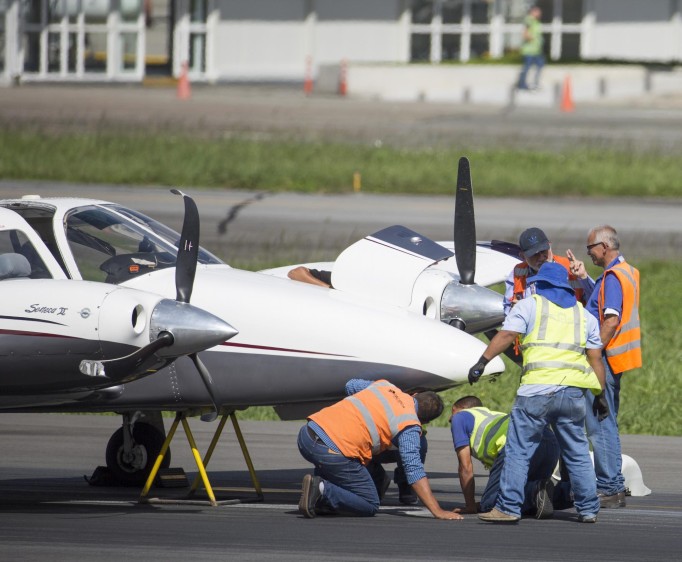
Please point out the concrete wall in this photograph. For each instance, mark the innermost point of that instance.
(270, 39)
(495, 85)
(637, 30)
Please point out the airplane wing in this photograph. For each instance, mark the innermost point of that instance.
(400, 267)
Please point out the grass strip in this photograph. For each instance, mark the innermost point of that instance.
(177, 160)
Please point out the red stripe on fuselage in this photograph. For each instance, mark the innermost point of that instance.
(287, 350)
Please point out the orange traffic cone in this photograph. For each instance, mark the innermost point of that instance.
(343, 78)
(308, 81)
(184, 88)
(567, 104)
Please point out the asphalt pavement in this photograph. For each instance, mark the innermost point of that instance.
(48, 511)
(246, 227)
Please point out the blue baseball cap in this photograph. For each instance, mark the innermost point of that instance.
(553, 273)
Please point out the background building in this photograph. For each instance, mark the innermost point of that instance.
(283, 40)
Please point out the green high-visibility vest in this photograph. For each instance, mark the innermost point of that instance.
(554, 351)
(489, 434)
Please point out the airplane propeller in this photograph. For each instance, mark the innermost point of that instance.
(465, 225)
(188, 249)
(466, 305)
(194, 328)
(185, 271)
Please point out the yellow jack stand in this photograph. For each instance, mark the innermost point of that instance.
(201, 465)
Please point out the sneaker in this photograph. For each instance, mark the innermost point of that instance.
(406, 494)
(589, 518)
(384, 486)
(612, 501)
(543, 499)
(496, 516)
(310, 494)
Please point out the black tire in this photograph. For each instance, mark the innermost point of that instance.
(147, 443)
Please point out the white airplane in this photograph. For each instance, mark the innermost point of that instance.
(399, 267)
(297, 344)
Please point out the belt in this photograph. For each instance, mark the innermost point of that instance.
(314, 436)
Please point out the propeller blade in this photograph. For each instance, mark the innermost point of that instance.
(208, 383)
(188, 249)
(465, 225)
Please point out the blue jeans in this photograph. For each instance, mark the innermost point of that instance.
(538, 61)
(565, 411)
(608, 461)
(348, 486)
(542, 465)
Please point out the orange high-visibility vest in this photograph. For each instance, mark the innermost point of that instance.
(624, 351)
(364, 424)
(522, 272)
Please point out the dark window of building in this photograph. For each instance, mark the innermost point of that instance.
(420, 47)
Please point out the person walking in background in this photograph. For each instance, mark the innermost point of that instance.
(561, 362)
(482, 433)
(614, 300)
(531, 49)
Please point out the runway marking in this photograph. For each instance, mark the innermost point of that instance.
(94, 502)
(665, 512)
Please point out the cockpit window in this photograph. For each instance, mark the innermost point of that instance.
(113, 248)
(16, 242)
(162, 230)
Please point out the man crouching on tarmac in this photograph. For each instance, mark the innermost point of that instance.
(341, 440)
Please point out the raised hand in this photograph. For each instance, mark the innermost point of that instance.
(577, 267)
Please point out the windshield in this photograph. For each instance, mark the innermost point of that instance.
(113, 244)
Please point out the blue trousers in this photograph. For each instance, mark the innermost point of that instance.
(348, 485)
(541, 466)
(565, 412)
(538, 61)
(605, 439)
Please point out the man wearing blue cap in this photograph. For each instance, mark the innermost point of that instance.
(561, 352)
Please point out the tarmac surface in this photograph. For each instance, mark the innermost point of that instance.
(248, 228)
(48, 512)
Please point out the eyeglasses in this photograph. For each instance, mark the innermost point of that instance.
(590, 246)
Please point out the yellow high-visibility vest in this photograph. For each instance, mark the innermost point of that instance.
(554, 351)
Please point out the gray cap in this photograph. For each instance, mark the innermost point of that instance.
(532, 241)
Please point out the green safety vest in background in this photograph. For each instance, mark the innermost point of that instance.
(489, 434)
(532, 46)
(554, 351)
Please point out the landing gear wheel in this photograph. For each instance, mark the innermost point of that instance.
(133, 468)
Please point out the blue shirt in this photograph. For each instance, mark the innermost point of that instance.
(613, 292)
(521, 319)
(462, 426)
(408, 441)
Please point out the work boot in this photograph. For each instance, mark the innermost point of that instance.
(563, 496)
(310, 494)
(406, 494)
(588, 518)
(496, 516)
(612, 501)
(543, 499)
